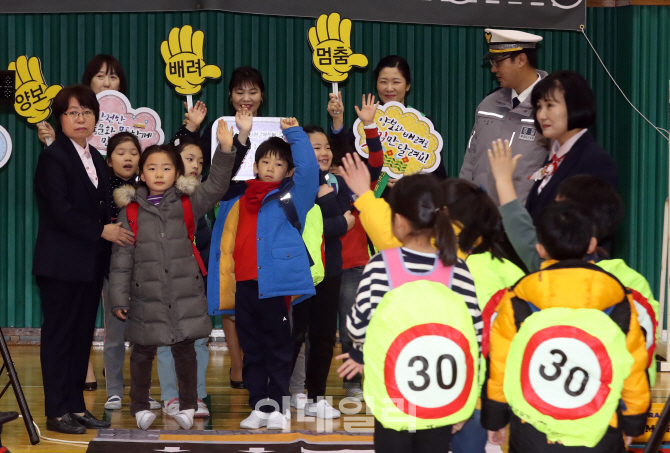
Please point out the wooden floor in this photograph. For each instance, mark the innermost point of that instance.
(228, 406)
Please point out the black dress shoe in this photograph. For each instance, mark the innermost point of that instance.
(89, 421)
(66, 425)
(239, 385)
(91, 386)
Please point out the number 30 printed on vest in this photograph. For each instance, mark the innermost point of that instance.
(429, 371)
(565, 373)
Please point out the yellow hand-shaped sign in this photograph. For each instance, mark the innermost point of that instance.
(33, 97)
(330, 41)
(184, 64)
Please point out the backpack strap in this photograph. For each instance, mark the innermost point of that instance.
(190, 227)
(398, 274)
(131, 215)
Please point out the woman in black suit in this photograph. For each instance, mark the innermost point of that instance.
(71, 256)
(565, 107)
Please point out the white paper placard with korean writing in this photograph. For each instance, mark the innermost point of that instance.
(411, 143)
(262, 129)
(5, 146)
(116, 115)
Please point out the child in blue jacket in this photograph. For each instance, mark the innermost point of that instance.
(258, 259)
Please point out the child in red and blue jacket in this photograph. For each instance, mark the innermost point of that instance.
(258, 258)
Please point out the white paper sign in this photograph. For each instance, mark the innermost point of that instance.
(116, 115)
(5, 146)
(262, 129)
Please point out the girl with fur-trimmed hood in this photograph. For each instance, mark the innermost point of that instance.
(157, 284)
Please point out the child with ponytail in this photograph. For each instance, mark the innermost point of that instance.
(419, 219)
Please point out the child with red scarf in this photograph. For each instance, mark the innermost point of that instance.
(258, 259)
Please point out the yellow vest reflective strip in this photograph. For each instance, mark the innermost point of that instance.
(647, 307)
(490, 275)
(312, 235)
(565, 372)
(420, 352)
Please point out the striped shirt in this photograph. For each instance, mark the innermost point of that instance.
(374, 284)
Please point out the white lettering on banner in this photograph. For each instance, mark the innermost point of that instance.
(562, 4)
(565, 373)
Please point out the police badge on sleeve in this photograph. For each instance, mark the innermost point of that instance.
(528, 134)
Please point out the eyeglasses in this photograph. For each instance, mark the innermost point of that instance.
(496, 62)
(74, 114)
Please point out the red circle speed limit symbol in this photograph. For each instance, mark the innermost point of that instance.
(428, 371)
(565, 373)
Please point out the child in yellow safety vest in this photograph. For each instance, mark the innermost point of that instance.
(416, 324)
(567, 354)
(478, 227)
(604, 207)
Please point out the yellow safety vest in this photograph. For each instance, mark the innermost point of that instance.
(421, 352)
(565, 372)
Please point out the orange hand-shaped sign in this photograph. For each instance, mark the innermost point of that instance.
(184, 64)
(330, 41)
(33, 97)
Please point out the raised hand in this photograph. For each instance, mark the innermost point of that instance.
(184, 64)
(285, 123)
(244, 120)
(336, 110)
(194, 117)
(502, 162)
(502, 168)
(224, 136)
(355, 173)
(330, 41)
(367, 111)
(33, 97)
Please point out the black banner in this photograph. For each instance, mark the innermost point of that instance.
(544, 14)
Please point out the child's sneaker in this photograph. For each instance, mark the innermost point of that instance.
(145, 419)
(298, 401)
(171, 408)
(355, 393)
(153, 404)
(202, 411)
(255, 420)
(113, 403)
(277, 420)
(185, 418)
(322, 409)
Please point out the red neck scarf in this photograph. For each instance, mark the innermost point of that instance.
(256, 191)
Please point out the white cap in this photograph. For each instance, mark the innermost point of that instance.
(505, 41)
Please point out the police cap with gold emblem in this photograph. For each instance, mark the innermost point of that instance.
(502, 42)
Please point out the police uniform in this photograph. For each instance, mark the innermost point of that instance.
(497, 118)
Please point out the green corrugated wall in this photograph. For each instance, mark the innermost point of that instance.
(449, 80)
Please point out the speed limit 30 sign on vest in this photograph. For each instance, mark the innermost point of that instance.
(421, 353)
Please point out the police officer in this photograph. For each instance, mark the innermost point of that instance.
(507, 114)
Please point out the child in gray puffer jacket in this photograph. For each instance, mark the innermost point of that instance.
(157, 284)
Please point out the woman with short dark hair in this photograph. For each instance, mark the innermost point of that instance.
(564, 107)
(71, 256)
(103, 72)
